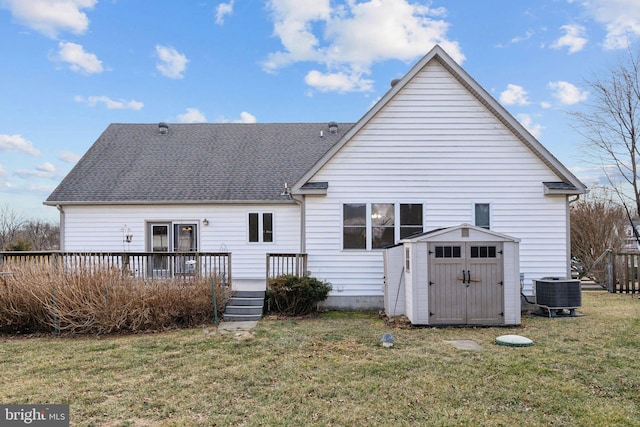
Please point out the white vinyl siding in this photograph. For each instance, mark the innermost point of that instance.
(436, 143)
(98, 228)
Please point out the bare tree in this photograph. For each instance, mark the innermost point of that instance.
(10, 224)
(611, 126)
(598, 223)
(41, 235)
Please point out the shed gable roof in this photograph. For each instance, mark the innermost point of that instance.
(196, 163)
(571, 184)
(453, 233)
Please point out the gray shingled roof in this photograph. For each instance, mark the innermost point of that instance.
(195, 162)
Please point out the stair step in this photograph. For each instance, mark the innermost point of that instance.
(244, 306)
(243, 309)
(249, 294)
(246, 301)
(240, 317)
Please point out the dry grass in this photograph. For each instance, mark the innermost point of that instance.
(331, 371)
(43, 298)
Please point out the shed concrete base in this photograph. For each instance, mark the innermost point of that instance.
(352, 303)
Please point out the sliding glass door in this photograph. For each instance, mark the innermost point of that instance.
(167, 238)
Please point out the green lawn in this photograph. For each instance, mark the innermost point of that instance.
(331, 370)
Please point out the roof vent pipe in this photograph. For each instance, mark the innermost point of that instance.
(333, 127)
(163, 128)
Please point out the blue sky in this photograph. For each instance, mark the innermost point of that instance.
(71, 67)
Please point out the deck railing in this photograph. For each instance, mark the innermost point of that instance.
(136, 264)
(279, 264)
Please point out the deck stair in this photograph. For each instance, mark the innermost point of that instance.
(244, 306)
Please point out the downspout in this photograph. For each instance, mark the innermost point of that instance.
(569, 201)
(301, 201)
(62, 233)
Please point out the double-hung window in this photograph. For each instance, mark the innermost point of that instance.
(482, 215)
(260, 227)
(410, 219)
(382, 225)
(354, 231)
(377, 225)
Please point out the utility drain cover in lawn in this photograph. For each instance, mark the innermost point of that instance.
(514, 341)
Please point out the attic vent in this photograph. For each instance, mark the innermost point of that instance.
(394, 82)
(333, 127)
(163, 128)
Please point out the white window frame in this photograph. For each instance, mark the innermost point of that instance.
(369, 222)
(149, 224)
(473, 213)
(261, 227)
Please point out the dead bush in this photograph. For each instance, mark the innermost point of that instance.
(43, 298)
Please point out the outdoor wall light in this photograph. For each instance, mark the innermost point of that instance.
(205, 222)
(128, 238)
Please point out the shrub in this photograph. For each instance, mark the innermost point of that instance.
(294, 295)
(43, 298)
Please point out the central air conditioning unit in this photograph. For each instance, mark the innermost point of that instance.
(557, 295)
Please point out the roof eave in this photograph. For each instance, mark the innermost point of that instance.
(554, 192)
(167, 202)
(311, 191)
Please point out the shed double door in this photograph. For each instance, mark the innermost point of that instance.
(466, 283)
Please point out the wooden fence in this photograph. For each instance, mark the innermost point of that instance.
(136, 264)
(622, 273)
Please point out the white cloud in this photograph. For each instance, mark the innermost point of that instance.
(68, 157)
(514, 95)
(223, 10)
(348, 39)
(111, 104)
(45, 170)
(567, 93)
(246, 118)
(573, 39)
(17, 143)
(526, 36)
(78, 59)
(337, 82)
(193, 115)
(621, 19)
(50, 17)
(172, 63)
(2, 171)
(545, 104)
(527, 122)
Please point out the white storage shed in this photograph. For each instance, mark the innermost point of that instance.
(462, 275)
